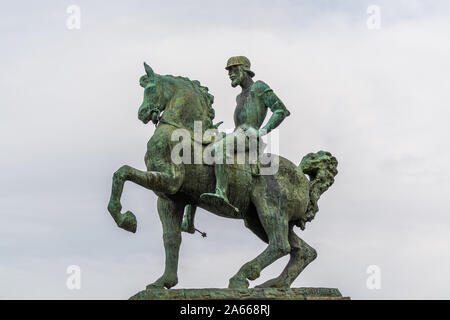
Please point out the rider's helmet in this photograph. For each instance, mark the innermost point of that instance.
(240, 60)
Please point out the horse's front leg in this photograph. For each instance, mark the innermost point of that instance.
(157, 181)
(171, 214)
(188, 220)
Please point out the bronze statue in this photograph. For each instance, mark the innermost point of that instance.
(270, 205)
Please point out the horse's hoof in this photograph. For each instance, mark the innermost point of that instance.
(128, 222)
(154, 286)
(163, 283)
(186, 227)
(238, 283)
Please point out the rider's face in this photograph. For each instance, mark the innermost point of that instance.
(236, 75)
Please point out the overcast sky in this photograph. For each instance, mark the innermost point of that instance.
(377, 99)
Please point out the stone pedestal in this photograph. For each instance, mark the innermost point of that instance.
(241, 294)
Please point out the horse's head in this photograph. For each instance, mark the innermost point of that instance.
(156, 95)
(183, 101)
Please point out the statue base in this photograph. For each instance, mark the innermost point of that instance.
(241, 294)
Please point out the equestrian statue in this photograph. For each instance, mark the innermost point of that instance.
(272, 197)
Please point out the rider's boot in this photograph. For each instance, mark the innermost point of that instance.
(219, 199)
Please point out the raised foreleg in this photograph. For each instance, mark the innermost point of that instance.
(168, 183)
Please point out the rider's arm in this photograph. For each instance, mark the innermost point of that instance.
(276, 105)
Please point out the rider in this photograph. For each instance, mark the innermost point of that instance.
(251, 110)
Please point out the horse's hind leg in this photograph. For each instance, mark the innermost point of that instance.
(276, 228)
(153, 180)
(301, 255)
(171, 214)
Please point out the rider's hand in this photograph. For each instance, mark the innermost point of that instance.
(262, 132)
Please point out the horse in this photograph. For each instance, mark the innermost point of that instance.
(270, 205)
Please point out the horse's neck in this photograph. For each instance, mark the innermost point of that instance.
(184, 109)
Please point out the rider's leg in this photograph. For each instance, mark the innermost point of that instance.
(219, 199)
(236, 142)
(221, 179)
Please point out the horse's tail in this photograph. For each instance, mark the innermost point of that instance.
(321, 167)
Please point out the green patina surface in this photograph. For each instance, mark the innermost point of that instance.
(241, 294)
(270, 205)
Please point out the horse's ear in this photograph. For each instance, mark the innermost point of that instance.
(149, 71)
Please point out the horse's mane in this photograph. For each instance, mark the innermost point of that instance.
(202, 90)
